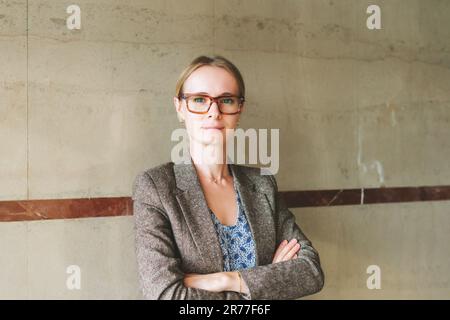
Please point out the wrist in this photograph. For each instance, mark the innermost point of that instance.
(231, 281)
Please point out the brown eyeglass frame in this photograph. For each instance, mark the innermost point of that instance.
(212, 99)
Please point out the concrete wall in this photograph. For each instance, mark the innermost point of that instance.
(82, 111)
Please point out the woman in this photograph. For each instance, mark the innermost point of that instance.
(212, 229)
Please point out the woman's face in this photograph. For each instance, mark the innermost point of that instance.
(213, 81)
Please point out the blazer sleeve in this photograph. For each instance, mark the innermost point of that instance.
(157, 255)
(290, 279)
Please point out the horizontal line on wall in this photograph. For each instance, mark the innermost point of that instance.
(325, 198)
(23, 210)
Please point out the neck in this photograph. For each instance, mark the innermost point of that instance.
(210, 161)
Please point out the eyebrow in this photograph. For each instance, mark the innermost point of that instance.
(222, 94)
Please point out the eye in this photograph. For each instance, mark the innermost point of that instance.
(227, 100)
(198, 99)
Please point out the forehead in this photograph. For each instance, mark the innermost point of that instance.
(212, 80)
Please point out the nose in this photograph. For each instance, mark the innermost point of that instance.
(214, 110)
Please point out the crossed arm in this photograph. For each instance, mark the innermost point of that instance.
(159, 261)
(232, 281)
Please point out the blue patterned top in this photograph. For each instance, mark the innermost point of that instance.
(236, 241)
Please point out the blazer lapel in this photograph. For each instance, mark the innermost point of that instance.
(190, 196)
(259, 214)
(193, 204)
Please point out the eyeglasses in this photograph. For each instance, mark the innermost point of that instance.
(201, 103)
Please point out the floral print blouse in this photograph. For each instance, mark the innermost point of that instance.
(236, 241)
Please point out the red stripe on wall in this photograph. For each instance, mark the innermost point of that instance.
(64, 208)
(122, 206)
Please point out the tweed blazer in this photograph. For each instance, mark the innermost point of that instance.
(174, 234)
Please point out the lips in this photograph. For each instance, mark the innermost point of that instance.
(213, 127)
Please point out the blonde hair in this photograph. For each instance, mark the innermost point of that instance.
(215, 61)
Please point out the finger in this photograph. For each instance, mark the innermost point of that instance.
(292, 252)
(287, 248)
(277, 252)
(295, 256)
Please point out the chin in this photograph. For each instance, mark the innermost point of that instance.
(211, 138)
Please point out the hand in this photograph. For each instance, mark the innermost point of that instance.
(286, 251)
(215, 282)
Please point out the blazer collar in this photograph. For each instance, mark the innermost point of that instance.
(190, 196)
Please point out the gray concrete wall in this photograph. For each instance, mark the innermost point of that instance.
(82, 111)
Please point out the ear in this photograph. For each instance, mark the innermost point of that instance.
(178, 104)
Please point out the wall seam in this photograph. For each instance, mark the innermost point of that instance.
(214, 26)
(27, 130)
(28, 165)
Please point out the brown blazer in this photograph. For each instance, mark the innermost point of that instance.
(175, 235)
